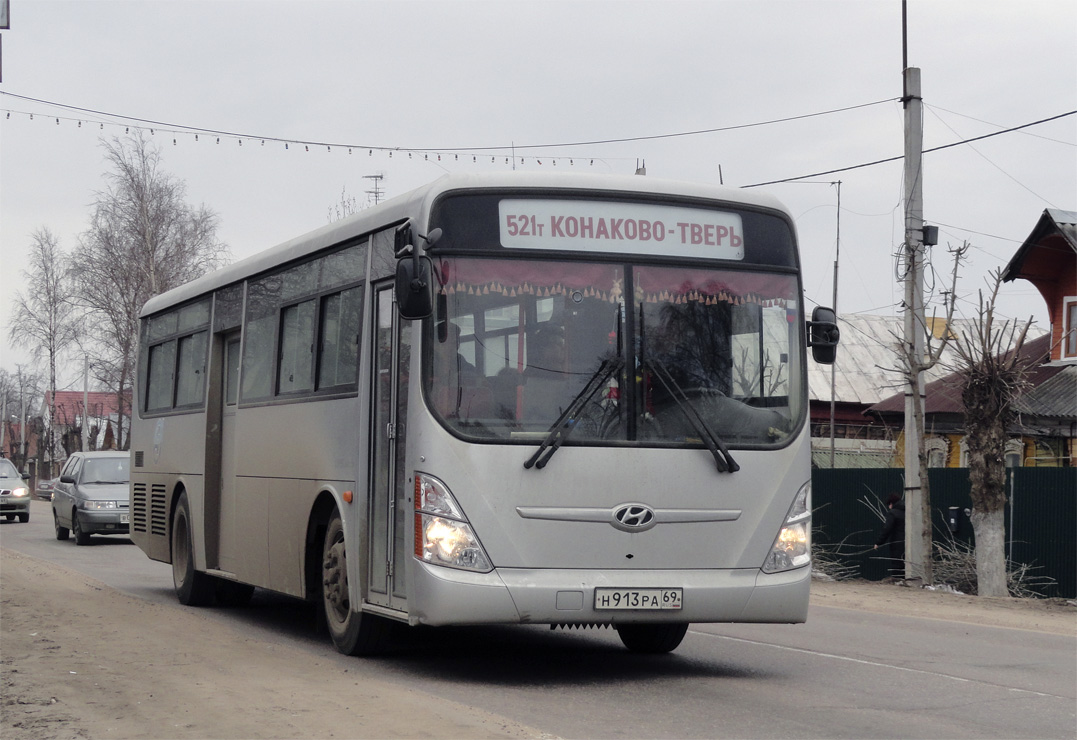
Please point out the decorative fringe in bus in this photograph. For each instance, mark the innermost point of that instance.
(614, 295)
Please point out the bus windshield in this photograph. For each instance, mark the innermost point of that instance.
(620, 353)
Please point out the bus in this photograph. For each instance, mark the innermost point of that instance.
(569, 400)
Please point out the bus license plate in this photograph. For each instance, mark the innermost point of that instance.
(637, 598)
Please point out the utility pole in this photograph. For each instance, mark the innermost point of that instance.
(834, 305)
(917, 498)
(85, 405)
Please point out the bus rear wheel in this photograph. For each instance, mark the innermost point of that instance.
(353, 632)
(192, 588)
(652, 638)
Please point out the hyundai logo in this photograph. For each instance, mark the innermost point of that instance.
(633, 517)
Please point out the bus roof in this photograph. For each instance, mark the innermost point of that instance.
(410, 204)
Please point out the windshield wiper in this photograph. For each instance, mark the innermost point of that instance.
(722, 458)
(566, 422)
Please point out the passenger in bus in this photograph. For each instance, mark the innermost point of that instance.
(461, 392)
(545, 379)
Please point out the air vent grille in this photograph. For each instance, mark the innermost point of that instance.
(158, 510)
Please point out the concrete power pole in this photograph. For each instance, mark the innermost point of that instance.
(917, 503)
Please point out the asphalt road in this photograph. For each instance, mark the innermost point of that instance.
(845, 673)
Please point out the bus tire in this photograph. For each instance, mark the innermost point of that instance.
(192, 588)
(652, 638)
(353, 632)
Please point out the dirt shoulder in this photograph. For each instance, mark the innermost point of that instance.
(1043, 615)
(80, 660)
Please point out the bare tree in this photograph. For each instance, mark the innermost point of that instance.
(993, 380)
(911, 367)
(46, 319)
(347, 206)
(18, 391)
(144, 239)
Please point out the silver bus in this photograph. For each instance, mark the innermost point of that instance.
(566, 400)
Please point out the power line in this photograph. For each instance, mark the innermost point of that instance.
(925, 151)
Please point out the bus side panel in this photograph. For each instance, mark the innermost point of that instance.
(246, 536)
(166, 450)
(290, 505)
(282, 453)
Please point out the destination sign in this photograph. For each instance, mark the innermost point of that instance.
(635, 228)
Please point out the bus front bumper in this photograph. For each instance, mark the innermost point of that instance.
(444, 596)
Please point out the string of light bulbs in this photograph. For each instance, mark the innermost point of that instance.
(200, 135)
(431, 154)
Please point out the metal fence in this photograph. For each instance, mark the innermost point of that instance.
(1041, 518)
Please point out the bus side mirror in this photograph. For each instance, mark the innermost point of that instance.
(823, 335)
(414, 287)
(414, 274)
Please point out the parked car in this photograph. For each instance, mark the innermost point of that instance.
(45, 488)
(14, 492)
(91, 496)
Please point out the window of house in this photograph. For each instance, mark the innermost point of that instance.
(937, 450)
(1069, 328)
(1015, 452)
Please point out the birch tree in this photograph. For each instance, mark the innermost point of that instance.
(993, 380)
(143, 239)
(45, 319)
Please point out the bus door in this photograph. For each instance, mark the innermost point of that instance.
(229, 398)
(388, 495)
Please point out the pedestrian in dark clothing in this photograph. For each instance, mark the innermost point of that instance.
(894, 533)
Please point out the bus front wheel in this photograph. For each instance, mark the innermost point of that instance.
(652, 638)
(192, 588)
(353, 632)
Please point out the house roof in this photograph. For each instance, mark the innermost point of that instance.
(1054, 397)
(69, 405)
(1053, 391)
(1056, 229)
(865, 369)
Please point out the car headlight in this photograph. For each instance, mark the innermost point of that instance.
(20, 491)
(100, 505)
(443, 535)
(792, 547)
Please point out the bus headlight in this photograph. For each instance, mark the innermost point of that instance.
(792, 547)
(443, 536)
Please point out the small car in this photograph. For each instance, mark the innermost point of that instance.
(91, 496)
(14, 492)
(44, 489)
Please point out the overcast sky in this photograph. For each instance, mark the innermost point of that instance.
(452, 76)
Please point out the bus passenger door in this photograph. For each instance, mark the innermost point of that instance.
(229, 398)
(388, 500)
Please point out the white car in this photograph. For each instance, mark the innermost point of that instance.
(14, 492)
